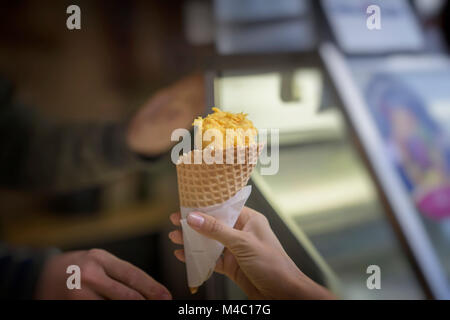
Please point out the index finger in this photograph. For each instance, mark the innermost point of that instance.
(244, 216)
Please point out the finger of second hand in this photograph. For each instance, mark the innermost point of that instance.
(175, 219)
(134, 278)
(176, 237)
(179, 254)
(114, 290)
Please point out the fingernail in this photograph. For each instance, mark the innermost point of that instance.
(195, 219)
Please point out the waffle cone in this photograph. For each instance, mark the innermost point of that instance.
(202, 184)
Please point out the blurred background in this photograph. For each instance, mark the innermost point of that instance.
(364, 120)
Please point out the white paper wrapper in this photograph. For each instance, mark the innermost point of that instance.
(202, 253)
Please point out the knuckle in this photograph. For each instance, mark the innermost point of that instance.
(89, 271)
(260, 216)
(263, 219)
(245, 238)
(96, 253)
(215, 226)
(240, 241)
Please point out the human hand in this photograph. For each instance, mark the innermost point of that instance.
(103, 276)
(171, 108)
(253, 257)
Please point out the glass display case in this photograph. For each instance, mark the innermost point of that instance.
(346, 195)
(322, 193)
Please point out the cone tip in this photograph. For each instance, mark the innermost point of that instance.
(193, 290)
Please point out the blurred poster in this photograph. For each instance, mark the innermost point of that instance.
(412, 113)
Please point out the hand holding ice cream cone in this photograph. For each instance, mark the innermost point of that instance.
(253, 257)
(215, 187)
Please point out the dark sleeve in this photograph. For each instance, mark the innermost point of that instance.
(42, 154)
(73, 156)
(15, 131)
(20, 269)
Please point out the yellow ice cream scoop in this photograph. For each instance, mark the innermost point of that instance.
(225, 129)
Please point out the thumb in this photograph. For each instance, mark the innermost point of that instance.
(214, 229)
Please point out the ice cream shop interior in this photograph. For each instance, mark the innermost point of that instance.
(346, 151)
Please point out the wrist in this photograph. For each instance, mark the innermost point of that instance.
(305, 288)
(43, 283)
